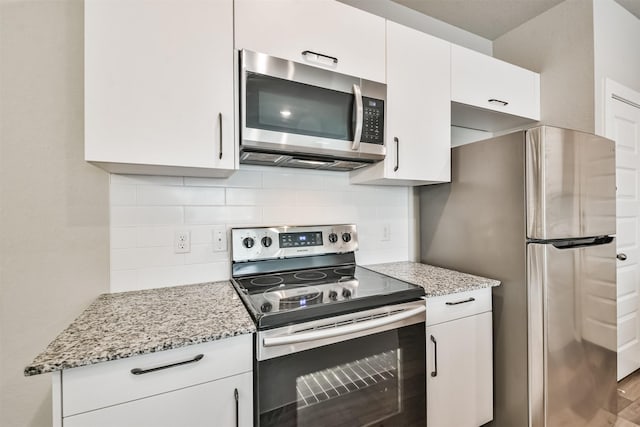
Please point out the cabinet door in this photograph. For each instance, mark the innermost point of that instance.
(489, 83)
(460, 388)
(287, 28)
(209, 404)
(418, 111)
(159, 83)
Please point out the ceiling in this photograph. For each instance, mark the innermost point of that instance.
(491, 18)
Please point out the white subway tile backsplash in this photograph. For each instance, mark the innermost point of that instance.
(132, 258)
(122, 195)
(222, 215)
(147, 211)
(175, 195)
(146, 180)
(123, 237)
(183, 275)
(242, 178)
(157, 236)
(203, 254)
(124, 280)
(259, 197)
(293, 179)
(143, 215)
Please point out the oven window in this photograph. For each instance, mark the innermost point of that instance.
(285, 106)
(377, 380)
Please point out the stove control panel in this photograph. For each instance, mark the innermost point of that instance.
(252, 244)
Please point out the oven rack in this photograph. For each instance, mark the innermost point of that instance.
(341, 380)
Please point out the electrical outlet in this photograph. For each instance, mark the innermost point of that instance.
(219, 238)
(386, 232)
(182, 242)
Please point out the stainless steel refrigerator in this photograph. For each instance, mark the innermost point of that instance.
(536, 209)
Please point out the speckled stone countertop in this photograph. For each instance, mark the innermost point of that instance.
(127, 324)
(436, 281)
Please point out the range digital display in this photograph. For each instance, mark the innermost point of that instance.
(292, 240)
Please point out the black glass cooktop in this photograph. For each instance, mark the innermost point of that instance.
(279, 299)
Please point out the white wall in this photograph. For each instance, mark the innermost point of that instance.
(54, 215)
(146, 211)
(616, 52)
(413, 19)
(558, 44)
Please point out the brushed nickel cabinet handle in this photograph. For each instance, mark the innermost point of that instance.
(139, 371)
(497, 101)
(236, 397)
(397, 141)
(622, 257)
(309, 52)
(220, 132)
(434, 373)
(461, 302)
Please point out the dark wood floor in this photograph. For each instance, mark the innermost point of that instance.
(629, 401)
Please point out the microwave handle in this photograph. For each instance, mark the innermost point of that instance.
(357, 133)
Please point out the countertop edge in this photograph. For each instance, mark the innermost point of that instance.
(52, 359)
(32, 370)
(436, 281)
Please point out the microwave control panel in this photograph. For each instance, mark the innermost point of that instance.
(373, 121)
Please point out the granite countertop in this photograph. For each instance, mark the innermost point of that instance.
(436, 281)
(127, 324)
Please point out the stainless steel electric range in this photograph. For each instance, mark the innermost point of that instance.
(337, 344)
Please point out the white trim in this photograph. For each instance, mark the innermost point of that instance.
(617, 91)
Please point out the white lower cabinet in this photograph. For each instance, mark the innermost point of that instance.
(209, 404)
(198, 385)
(460, 360)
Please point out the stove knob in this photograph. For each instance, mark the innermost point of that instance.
(346, 237)
(266, 307)
(346, 293)
(266, 241)
(333, 295)
(333, 237)
(248, 242)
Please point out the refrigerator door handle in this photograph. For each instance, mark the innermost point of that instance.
(581, 243)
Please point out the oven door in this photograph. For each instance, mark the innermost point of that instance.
(363, 371)
(297, 109)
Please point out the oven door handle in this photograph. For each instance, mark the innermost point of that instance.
(341, 330)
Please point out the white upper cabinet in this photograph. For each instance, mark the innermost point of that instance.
(322, 33)
(159, 86)
(418, 114)
(491, 85)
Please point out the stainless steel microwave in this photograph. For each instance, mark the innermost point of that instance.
(296, 115)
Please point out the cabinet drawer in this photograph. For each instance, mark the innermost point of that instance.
(109, 383)
(204, 405)
(486, 82)
(459, 305)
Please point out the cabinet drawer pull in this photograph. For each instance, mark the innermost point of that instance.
(434, 373)
(236, 397)
(461, 302)
(497, 101)
(308, 52)
(622, 257)
(220, 132)
(397, 141)
(138, 371)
